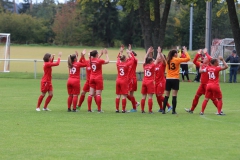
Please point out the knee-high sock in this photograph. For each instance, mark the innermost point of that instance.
(150, 104)
(129, 97)
(159, 100)
(70, 98)
(124, 102)
(47, 101)
(204, 104)
(95, 99)
(174, 103)
(195, 102)
(220, 105)
(40, 98)
(90, 102)
(81, 99)
(165, 101)
(75, 99)
(215, 102)
(142, 104)
(99, 102)
(117, 101)
(134, 102)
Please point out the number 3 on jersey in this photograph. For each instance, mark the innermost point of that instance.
(94, 67)
(121, 72)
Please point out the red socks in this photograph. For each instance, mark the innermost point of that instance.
(194, 102)
(204, 104)
(142, 104)
(47, 101)
(117, 100)
(89, 102)
(150, 104)
(81, 99)
(75, 99)
(40, 101)
(99, 101)
(220, 105)
(70, 98)
(124, 102)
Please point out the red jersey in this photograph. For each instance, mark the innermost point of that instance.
(204, 75)
(160, 72)
(88, 70)
(47, 68)
(149, 70)
(96, 68)
(123, 69)
(74, 72)
(213, 74)
(132, 68)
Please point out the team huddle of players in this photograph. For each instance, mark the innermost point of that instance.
(154, 82)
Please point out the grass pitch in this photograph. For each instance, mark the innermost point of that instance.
(27, 134)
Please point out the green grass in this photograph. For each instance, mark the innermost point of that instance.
(27, 134)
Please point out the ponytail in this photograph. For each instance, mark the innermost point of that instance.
(71, 59)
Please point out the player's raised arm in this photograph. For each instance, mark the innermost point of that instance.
(105, 51)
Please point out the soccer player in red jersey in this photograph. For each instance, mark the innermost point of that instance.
(123, 66)
(86, 86)
(73, 82)
(46, 82)
(148, 81)
(96, 78)
(203, 81)
(160, 79)
(213, 87)
(133, 81)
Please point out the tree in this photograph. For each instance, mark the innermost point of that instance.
(234, 23)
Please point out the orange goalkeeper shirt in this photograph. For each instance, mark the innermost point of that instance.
(174, 67)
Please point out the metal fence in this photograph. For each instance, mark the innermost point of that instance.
(139, 72)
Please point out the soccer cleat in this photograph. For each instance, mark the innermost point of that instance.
(38, 109)
(117, 111)
(201, 113)
(163, 112)
(173, 112)
(90, 111)
(123, 111)
(74, 110)
(160, 110)
(188, 110)
(151, 112)
(100, 111)
(143, 112)
(221, 114)
(137, 104)
(133, 110)
(69, 110)
(46, 109)
(78, 107)
(169, 109)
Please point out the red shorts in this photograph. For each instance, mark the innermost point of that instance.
(121, 87)
(160, 87)
(86, 86)
(201, 89)
(46, 86)
(73, 86)
(97, 84)
(213, 90)
(148, 87)
(132, 84)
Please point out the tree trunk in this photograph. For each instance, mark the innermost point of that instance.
(156, 26)
(144, 14)
(234, 24)
(164, 22)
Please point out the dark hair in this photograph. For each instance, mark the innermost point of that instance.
(46, 57)
(94, 53)
(214, 60)
(148, 60)
(71, 59)
(122, 58)
(134, 53)
(170, 55)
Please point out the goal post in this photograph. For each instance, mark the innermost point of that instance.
(4, 52)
